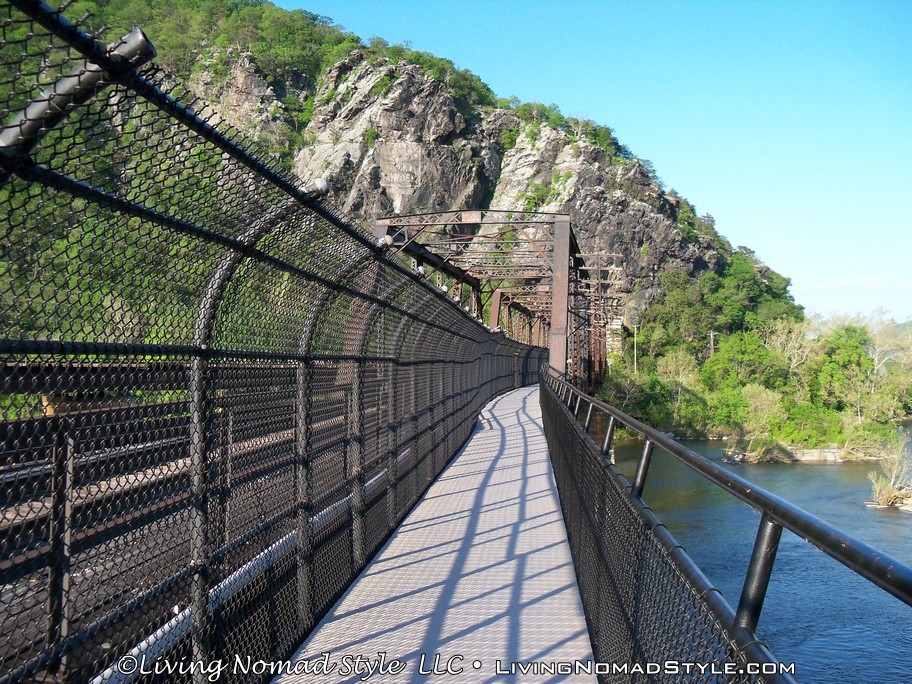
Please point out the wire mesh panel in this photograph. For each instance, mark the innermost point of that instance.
(217, 398)
(640, 605)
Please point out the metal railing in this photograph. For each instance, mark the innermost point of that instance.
(622, 550)
(217, 397)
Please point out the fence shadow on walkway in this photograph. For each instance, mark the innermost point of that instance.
(478, 574)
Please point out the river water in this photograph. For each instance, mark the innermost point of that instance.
(836, 626)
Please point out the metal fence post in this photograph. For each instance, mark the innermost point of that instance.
(225, 474)
(639, 480)
(61, 536)
(759, 572)
(356, 465)
(392, 474)
(447, 402)
(304, 492)
(199, 512)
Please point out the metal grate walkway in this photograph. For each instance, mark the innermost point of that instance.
(478, 577)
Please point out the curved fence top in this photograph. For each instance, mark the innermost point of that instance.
(135, 228)
(217, 398)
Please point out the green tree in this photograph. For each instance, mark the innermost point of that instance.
(893, 483)
(810, 425)
(844, 367)
(678, 369)
(764, 415)
(728, 410)
(741, 359)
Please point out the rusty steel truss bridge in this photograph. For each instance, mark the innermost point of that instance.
(242, 438)
(526, 270)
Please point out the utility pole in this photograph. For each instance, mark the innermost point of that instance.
(635, 326)
(712, 342)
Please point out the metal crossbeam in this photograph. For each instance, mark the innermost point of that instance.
(521, 263)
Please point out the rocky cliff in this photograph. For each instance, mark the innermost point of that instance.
(390, 139)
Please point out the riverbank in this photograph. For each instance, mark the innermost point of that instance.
(891, 479)
(906, 506)
(734, 451)
(773, 451)
(790, 454)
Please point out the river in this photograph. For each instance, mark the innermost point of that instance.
(836, 626)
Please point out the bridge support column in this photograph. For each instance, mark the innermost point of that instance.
(496, 299)
(560, 291)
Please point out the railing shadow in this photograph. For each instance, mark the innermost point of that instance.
(477, 570)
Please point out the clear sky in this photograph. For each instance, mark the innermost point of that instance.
(789, 122)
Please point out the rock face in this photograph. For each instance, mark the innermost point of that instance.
(613, 207)
(389, 139)
(242, 99)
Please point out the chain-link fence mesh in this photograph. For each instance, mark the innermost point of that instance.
(644, 603)
(217, 398)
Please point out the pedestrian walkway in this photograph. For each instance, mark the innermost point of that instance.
(476, 585)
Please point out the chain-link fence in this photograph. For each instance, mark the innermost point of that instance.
(646, 603)
(217, 398)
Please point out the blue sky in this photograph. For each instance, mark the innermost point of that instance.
(789, 122)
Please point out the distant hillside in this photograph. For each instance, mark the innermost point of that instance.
(721, 347)
(396, 130)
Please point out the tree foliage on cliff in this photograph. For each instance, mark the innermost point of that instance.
(191, 33)
(468, 90)
(185, 31)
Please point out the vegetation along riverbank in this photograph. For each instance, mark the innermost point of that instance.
(730, 355)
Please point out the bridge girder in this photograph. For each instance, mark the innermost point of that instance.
(527, 269)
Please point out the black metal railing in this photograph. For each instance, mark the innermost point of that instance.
(217, 397)
(645, 598)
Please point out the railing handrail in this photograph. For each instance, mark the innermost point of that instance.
(879, 568)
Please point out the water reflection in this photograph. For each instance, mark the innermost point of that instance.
(835, 625)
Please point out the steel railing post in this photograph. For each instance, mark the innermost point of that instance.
(759, 571)
(639, 480)
(609, 436)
